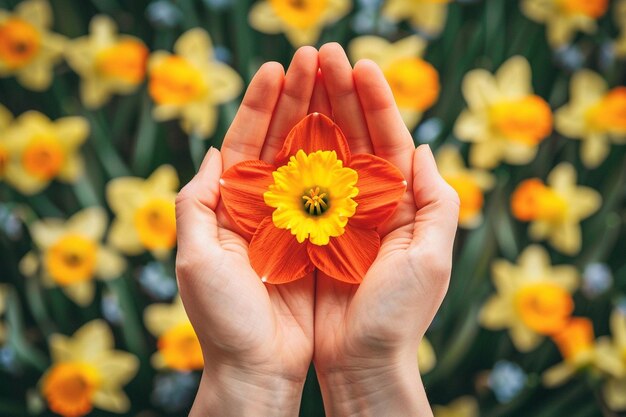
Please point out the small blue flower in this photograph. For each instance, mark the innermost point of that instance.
(223, 54)
(111, 309)
(163, 14)
(10, 223)
(506, 380)
(597, 279)
(157, 282)
(8, 359)
(174, 391)
(570, 57)
(621, 305)
(429, 130)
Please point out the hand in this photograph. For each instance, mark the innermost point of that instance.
(367, 336)
(257, 339)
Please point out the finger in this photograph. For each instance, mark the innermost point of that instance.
(319, 98)
(344, 100)
(196, 224)
(390, 138)
(293, 103)
(437, 206)
(245, 137)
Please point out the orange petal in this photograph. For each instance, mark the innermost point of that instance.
(381, 187)
(276, 255)
(241, 188)
(347, 257)
(315, 132)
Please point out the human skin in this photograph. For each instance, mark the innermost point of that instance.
(259, 339)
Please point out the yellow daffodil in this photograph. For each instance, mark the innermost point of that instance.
(470, 184)
(504, 119)
(177, 343)
(5, 121)
(595, 115)
(532, 298)
(40, 150)
(190, 83)
(107, 63)
(28, 50)
(466, 406)
(86, 372)
(615, 388)
(302, 21)
(555, 210)
(620, 21)
(4, 290)
(427, 16)
(426, 356)
(413, 81)
(71, 254)
(563, 18)
(144, 209)
(579, 350)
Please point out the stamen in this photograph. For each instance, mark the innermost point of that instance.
(315, 202)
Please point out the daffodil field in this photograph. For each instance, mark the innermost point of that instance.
(107, 108)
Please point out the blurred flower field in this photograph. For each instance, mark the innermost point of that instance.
(107, 107)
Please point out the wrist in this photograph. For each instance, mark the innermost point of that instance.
(380, 387)
(227, 391)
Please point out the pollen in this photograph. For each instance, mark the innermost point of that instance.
(313, 196)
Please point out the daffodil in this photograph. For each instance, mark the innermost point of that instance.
(615, 388)
(580, 352)
(70, 254)
(315, 206)
(426, 356)
(466, 406)
(5, 121)
(620, 21)
(301, 21)
(145, 215)
(28, 49)
(555, 210)
(563, 18)
(413, 81)
(177, 343)
(86, 372)
(40, 150)
(470, 184)
(595, 115)
(427, 16)
(533, 298)
(107, 63)
(190, 83)
(504, 119)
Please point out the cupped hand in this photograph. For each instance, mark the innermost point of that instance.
(257, 339)
(367, 336)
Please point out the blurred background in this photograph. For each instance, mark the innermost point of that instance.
(107, 107)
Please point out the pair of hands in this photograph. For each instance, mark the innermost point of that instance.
(259, 339)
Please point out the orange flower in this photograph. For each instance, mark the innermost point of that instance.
(576, 338)
(316, 206)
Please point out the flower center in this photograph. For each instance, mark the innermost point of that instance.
(125, 61)
(19, 42)
(590, 8)
(301, 14)
(470, 195)
(532, 200)
(575, 339)
(544, 307)
(180, 348)
(43, 157)
(176, 81)
(414, 83)
(71, 259)
(69, 388)
(155, 223)
(323, 209)
(609, 114)
(527, 120)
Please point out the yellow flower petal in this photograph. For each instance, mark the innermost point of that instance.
(46, 232)
(567, 238)
(81, 293)
(471, 127)
(90, 222)
(114, 400)
(92, 340)
(122, 194)
(558, 374)
(618, 328)
(497, 313)
(587, 87)
(110, 264)
(37, 12)
(123, 237)
(116, 368)
(226, 84)
(426, 356)
(614, 392)
(195, 45)
(159, 318)
(61, 348)
(480, 89)
(514, 77)
(71, 131)
(163, 179)
(594, 149)
(263, 18)
(524, 338)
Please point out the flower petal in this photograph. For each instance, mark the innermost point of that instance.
(314, 133)
(276, 255)
(347, 257)
(381, 187)
(241, 188)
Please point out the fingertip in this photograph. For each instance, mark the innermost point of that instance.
(271, 68)
(367, 66)
(306, 52)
